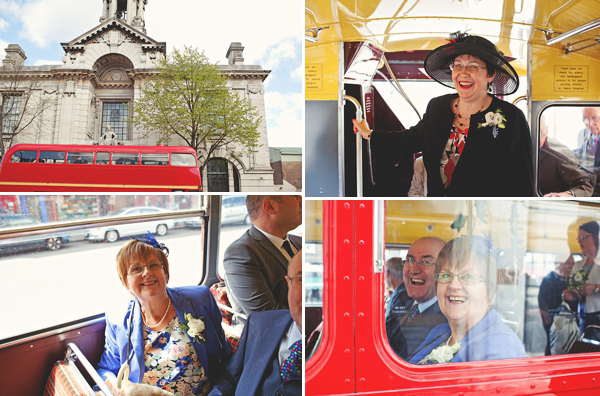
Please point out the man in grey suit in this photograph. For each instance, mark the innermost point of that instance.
(256, 264)
(408, 332)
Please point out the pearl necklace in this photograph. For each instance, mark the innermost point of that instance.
(163, 318)
(466, 121)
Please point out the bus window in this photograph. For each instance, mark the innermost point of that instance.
(52, 157)
(102, 158)
(313, 275)
(124, 159)
(182, 160)
(155, 159)
(80, 158)
(65, 274)
(23, 156)
(568, 162)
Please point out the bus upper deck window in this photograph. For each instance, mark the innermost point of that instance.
(124, 159)
(80, 158)
(52, 157)
(155, 159)
(24, 156)
(183, 160)
(102, 158)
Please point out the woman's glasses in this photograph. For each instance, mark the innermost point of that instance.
(582, 238)
(467, 278)
(138, 269)
(457, 67)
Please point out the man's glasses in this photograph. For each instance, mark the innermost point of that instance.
(138, 269)
(423, 262)
(586, 120)
(467, 278)
(582, 238)
(291, 279)
(457, 67)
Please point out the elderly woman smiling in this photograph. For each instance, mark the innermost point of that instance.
(473, 143)
(466, 288)
(170, 337)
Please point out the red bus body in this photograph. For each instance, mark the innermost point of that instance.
(354, 357)
(97, 176)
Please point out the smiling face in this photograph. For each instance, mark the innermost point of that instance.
(471, 86)
(418, 278)
(587, 244)
(149, 284)
(591, 118)
(464, 305)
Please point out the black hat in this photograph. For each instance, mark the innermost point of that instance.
(437, 63)
(592, 227)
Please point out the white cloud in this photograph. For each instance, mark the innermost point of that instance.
(287, 132)
(298, 73)
(277, 102)
(283, 50)
(4, 24)
(3, 45)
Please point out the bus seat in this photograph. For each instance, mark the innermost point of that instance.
(219, 292)
(233, 336)
(65, 379)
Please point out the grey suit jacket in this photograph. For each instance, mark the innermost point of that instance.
(405, 338)
(255, 271)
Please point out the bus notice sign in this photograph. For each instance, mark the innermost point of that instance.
(314, 77)
(571, 78)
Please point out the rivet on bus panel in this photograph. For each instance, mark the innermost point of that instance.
(361, 278)
(347, 205)
(361, 350)
(346, 278)
(361, 314)
(31, 346)
(347, 380)
(361, 242)
(532, 386)
(346, 314)
(346, 350)
(362, 206)
(346, 241)
(361, 380)
(498, 390)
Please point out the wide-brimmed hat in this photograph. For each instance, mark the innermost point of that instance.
(437, 63)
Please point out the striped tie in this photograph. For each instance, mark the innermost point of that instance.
(288, 248)
(413, 312)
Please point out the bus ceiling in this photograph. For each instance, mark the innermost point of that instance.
(528, 32)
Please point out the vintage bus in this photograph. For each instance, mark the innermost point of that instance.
(45, 167)
(54, 302)
(347, 244)
(365, 60)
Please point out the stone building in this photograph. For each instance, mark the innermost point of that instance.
(100, 77)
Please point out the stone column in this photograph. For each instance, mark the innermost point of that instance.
(104, 16)
(112, 11)
(131, 10)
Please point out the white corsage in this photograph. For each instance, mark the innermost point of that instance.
(495, 120)
(194, 328)
(442, 354)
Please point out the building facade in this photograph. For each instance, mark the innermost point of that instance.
(88, 98)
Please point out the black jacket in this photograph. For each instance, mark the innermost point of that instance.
(488, 167)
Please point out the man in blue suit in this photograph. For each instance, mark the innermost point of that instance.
(271, 340)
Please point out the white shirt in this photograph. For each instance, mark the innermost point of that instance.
(278, 242)
(423, 306)
(292, 335)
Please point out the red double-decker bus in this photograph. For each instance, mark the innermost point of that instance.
(53, 167)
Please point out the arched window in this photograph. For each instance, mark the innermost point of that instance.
(218, 175)
(236, 179)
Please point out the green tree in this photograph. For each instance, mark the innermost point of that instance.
(189, 98)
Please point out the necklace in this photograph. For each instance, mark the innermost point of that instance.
(163, 318)
(465, 121)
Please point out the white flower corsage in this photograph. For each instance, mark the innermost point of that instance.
(194, 328)
(495, 120)
(442, 354)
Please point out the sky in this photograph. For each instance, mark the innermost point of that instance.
(271, 32)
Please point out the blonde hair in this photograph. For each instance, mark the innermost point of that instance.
(135, 250)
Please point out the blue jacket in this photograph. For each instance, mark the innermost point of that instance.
(254, 369)
(490, 339)
(195, 300)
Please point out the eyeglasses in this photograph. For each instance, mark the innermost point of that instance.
(138, 269)
(291, 279)
(457, 67)
(582, 238)
(586, 120)
(423, 262)
(467, 278)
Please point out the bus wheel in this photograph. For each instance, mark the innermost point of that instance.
(161, 229)
(111, 236)
(53, 243)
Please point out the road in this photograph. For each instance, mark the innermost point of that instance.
(40, 289)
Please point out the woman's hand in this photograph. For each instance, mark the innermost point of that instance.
(588, 289)
(569, 295)
(363, 128)
(112, 385)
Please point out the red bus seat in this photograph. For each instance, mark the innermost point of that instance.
(219, 292)
(65, 379)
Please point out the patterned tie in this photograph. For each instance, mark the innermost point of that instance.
(413, 312)
(288, 248)
(292, 366)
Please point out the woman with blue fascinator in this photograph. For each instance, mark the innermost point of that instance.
(170, 338)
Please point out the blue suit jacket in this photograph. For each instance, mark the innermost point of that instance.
(489, 339)
(254, 369)
(195, 300)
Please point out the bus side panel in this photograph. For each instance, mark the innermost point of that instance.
(322, 149)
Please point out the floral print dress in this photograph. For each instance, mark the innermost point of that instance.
(452, 152)
(171, 361)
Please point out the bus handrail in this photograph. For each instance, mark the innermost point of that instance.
(359, 176)
(74, 353)
(230, 310)
(397, 86)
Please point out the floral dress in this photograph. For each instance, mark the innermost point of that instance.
(452, 152)
(171, 361)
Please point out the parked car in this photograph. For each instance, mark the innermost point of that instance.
(113, 233)
(234, 211)
(52, 241)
